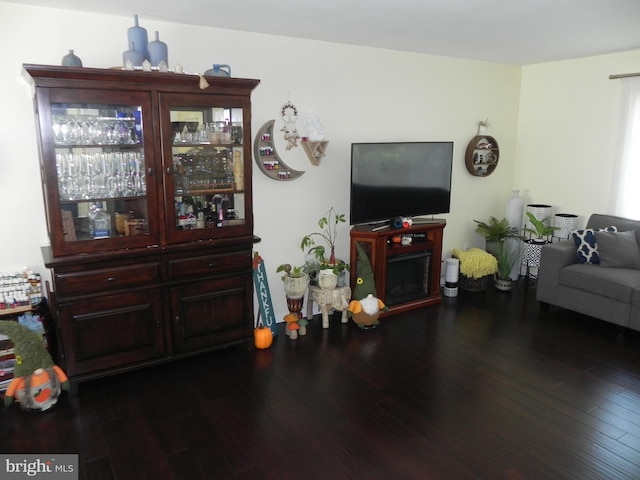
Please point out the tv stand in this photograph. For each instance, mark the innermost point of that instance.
(406, 277)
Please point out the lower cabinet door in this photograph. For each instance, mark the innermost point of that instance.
(110, 331)
(210, 313)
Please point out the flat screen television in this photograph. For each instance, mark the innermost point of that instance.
(399, 179)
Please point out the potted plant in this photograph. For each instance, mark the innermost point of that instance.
(328, 233)
(295, 280)
(540, 228)
(540, 235)
(483, 125)
(506, 258)
(495, 232)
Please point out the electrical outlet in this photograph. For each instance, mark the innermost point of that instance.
(466, 246)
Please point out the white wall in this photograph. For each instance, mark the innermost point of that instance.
(566, 128)
(360, 94)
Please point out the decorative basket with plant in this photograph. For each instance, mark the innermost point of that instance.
(476, 267)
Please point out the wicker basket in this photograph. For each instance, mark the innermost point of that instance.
(474, 284)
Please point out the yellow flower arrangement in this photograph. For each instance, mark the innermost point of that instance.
(475, 262)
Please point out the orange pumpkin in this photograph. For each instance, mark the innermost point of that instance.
(262, 337)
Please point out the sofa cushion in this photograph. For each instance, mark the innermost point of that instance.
(586, 245)
(618, 249)
(615, 283)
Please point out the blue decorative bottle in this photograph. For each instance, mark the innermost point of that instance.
(71, 60)
(132, 57)
(158, 52)
(137, 36)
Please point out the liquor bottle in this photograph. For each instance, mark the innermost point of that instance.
(100, 222)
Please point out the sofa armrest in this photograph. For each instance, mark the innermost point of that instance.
(554, 257)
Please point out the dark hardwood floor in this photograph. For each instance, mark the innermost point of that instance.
(484, 386)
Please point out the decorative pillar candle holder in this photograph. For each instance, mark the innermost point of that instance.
(566, 223)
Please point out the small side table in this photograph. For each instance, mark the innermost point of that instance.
(337, 299)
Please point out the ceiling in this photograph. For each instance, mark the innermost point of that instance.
(518, 32)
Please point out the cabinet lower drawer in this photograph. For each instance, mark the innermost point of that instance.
(209, 264)
(108, 278)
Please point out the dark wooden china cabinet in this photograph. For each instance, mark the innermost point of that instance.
(147, 188)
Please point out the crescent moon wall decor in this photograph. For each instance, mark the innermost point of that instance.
(267, 158)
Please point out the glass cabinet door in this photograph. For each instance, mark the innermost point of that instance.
(205, 150)
(98, 172)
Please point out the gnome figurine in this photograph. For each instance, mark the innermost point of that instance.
(37, 382)
(365, 307)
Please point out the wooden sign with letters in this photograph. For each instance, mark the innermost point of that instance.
(261, 285)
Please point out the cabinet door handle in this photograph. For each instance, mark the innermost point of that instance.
(169, 170)
(112, 279)
(213, 264)
(150, 171)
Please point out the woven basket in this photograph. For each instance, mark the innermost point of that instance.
(474, 284)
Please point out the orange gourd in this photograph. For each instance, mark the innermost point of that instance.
(262, 337)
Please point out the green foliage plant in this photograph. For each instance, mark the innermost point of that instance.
(506, 258)
(540, 229)
(328, 233)
(289, 271)
(497, 230)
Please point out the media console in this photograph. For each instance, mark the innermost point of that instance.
(406, 276)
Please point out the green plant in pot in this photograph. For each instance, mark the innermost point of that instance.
(507, 258)
(324, 256)
(295, 280)
(533, 246)
(495, 232)
(540, 230)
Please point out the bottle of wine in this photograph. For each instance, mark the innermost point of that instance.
(100, 222)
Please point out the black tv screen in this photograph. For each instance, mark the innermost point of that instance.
(401, 179)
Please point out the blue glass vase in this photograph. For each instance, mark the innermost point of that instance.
(132, 57)
(158, 52)
(137, 36)
(71, 60)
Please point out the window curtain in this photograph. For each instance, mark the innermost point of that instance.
(625, 191)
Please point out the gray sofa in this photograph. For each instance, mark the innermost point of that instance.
(609, 290)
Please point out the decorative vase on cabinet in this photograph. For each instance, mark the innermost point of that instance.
(189, 244)
(71, 60)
